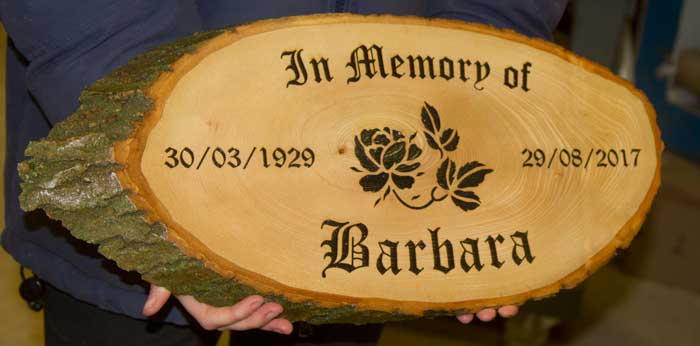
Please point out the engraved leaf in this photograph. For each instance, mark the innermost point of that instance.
(468, 167)
(430, 118)
(431, 141)
(465, 200)
(446, 135)
(467, 179)
(445, 174)
(450, 143)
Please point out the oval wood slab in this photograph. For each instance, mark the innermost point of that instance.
(354, 169)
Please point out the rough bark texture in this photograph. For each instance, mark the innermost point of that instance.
(71, 175)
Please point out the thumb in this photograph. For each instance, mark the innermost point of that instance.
(157, 296)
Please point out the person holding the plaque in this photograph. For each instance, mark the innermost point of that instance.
(57, 48)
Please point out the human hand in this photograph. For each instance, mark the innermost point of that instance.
(250, 313)
(487, 315)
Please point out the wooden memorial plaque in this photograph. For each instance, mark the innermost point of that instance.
(354, 169)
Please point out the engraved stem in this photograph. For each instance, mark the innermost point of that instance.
(432, 199)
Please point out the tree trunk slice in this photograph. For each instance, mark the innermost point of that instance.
(354, 169)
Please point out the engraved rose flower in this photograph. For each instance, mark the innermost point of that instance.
(389, 157)
(390, 160)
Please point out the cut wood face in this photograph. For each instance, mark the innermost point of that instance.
(371, 160)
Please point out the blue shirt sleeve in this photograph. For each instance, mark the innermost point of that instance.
(69, 44)
(56, 49)
(534, 18)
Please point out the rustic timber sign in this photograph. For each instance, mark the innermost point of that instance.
(354, 168)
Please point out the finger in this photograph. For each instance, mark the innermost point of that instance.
(211, 318)
(259, 318)
(465, 319)
(279, 325)
(486, 315)
(508, 311)
(157, 297)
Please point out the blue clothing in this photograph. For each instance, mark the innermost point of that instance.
(59, 47)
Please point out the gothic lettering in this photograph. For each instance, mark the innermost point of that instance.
(347, 251)
(369, 62)
(470, 247)
(437, 252)
(521, 244)
(393, 257)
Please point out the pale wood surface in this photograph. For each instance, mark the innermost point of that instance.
(262, 226)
